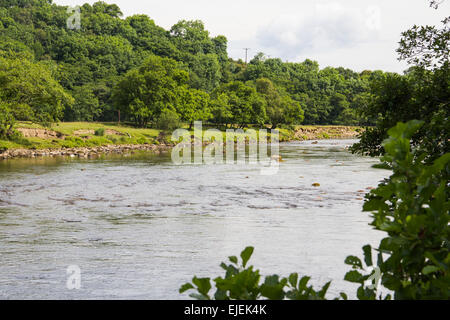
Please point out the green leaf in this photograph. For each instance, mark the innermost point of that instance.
(246, 255)
(221, 295)
(429, 269)
(303, 282)
(203, 285)
(324, 290)
(343, 296)
(293, 279)
(383, 166)
(353, 261)
(233, 259)
(272, 288)
(374, 204)
(185, 287)
(368, 255)
(354, 276)
(198, 296)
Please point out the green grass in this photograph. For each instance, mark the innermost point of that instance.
(126, 135)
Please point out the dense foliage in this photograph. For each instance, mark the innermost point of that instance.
(413, 207)
(244, 283)
(423, 92)
(93, 72)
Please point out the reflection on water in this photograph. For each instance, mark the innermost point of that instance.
(139, 226)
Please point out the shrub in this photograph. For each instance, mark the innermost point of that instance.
(168, 120)
(244, 283)
(7, 120)
(72, 142)
(112, 139)
(100, 132)
(412, 206)
(142, 140)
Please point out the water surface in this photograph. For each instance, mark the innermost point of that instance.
(139, 227)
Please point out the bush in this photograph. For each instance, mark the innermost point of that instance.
(244, 283)
(72, 142)
(412, 206)
(112, 139)
(142, 140)
(7, 121)
(100, 132)
(168, 120)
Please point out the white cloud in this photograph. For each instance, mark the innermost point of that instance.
(326, 27)
(350, 33)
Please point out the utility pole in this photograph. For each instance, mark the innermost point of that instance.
(246, 54)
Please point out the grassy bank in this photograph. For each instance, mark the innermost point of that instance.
(90, 134)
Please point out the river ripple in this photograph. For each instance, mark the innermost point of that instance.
(139, 226)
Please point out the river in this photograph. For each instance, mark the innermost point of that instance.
(139, 226)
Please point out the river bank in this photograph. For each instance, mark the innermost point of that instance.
(83, 152)
(83, 140)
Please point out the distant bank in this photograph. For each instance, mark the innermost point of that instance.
(88, 139)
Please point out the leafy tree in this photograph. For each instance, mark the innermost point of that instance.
(281, 109)
(422, 93)
(194, 106)
(23, 82)
(7, 121)
(86, 106)
(168, 120)
(144, 92)
(108, 46)
(245, 104)
(191, 37)
(221, 109)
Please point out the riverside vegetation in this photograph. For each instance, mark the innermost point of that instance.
(86, 139)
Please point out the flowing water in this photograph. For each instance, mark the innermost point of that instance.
(139, 226)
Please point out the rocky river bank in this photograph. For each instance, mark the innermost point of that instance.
(83, 152)
(301, 134)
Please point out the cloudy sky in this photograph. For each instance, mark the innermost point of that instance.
(357, 34)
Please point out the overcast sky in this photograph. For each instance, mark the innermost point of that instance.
(357, 34)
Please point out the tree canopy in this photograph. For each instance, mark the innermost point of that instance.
(104, 67)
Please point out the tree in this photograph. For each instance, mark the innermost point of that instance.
(221, 109)
(281, 109)
(144, 92)
(191, 37)
(245, 105)
(23, 82)
(194, 106)
(7, 120)
(86, 106)
(426, 46)
(422, 93)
